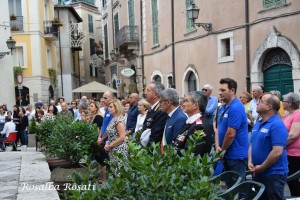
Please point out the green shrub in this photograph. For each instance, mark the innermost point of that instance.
(147, 174)
(68, 139)
(33, 128)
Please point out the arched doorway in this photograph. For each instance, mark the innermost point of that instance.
(192, 82)
(22, 96)
(277, 70)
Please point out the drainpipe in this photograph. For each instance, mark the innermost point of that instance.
(142, 44)
(247, 45)
(61, 72)
(173, 45)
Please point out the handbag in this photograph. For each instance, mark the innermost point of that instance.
(145, 137)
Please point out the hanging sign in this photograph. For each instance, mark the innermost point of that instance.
(127, 72)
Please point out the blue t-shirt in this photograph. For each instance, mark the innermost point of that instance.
(234, 116)
(107, 118)
(264, 136)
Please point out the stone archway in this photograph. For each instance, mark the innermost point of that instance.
(275, 40)
(155, 75)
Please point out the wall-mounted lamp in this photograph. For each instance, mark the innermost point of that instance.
(193, 13)
(112, 54)
(11, 44)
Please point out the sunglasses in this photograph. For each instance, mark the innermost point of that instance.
(204, 90)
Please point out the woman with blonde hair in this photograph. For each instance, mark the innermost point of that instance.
(116, 132)
(143, 106)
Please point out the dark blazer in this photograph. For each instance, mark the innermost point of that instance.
(204, 144)
(156, 121)
(132, 115)
(174, 124)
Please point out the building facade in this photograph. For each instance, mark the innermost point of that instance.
(253, 42)
(35, 53)
(7, 94)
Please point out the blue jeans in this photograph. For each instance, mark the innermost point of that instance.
(274, 186)
(238, 166)
(24, 136)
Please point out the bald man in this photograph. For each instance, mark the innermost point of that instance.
(132, 113)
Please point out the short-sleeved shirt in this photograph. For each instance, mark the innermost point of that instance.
(107, 118)
(234, 116)
(293, 149)
(252, 109)
(264, 136)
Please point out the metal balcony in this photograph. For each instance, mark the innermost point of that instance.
(127, 36)
(50, 31)
(16, 23)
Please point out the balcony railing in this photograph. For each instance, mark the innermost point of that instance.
(127, 35)
(50, 31)
(16, 24)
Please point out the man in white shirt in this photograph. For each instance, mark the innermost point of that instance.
(9, 127)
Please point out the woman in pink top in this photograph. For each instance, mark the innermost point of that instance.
(292, 122)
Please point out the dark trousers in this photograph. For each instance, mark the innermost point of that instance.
(24, 137)
(294, 166)
(274, 186)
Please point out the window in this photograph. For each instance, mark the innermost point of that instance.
(105, 41)
(49, 60)
(225, 47)
(104, 3)
(157, 78)
(189, 23)
(155, 23)
(192, 82)
(18, 56)
(90, 21)
(92, 46)
(93, 71)
(15, 7)
(116, 22)
(273, 3)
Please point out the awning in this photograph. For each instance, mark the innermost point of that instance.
(94, 87)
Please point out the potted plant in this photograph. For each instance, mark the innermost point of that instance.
(32, 130)
(13, 17)
(14, 28)
(56, 22)
(68, 141)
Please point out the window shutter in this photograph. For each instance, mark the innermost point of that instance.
(155, 22)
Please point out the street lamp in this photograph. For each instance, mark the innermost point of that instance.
(11, 44)
(193, 13)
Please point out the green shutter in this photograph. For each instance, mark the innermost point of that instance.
(189, 23)
(116, 22)
(155, 22)
(106, 41)
(90, 22)
(273, 3)
(131, 18)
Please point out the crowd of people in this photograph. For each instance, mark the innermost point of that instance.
(259, 133)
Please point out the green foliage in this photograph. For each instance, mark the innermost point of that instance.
(147, 174)
(33, 128)
(68, 139)
(17, 70)
(53, 77)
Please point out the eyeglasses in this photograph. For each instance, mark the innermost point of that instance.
(204, 90)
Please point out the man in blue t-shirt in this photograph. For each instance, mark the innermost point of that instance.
(267, 152)
(232, 134)
(102, 138)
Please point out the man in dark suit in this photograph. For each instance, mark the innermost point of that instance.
(155, 118)
(194, 106)
(176, 118)
(132, 113)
